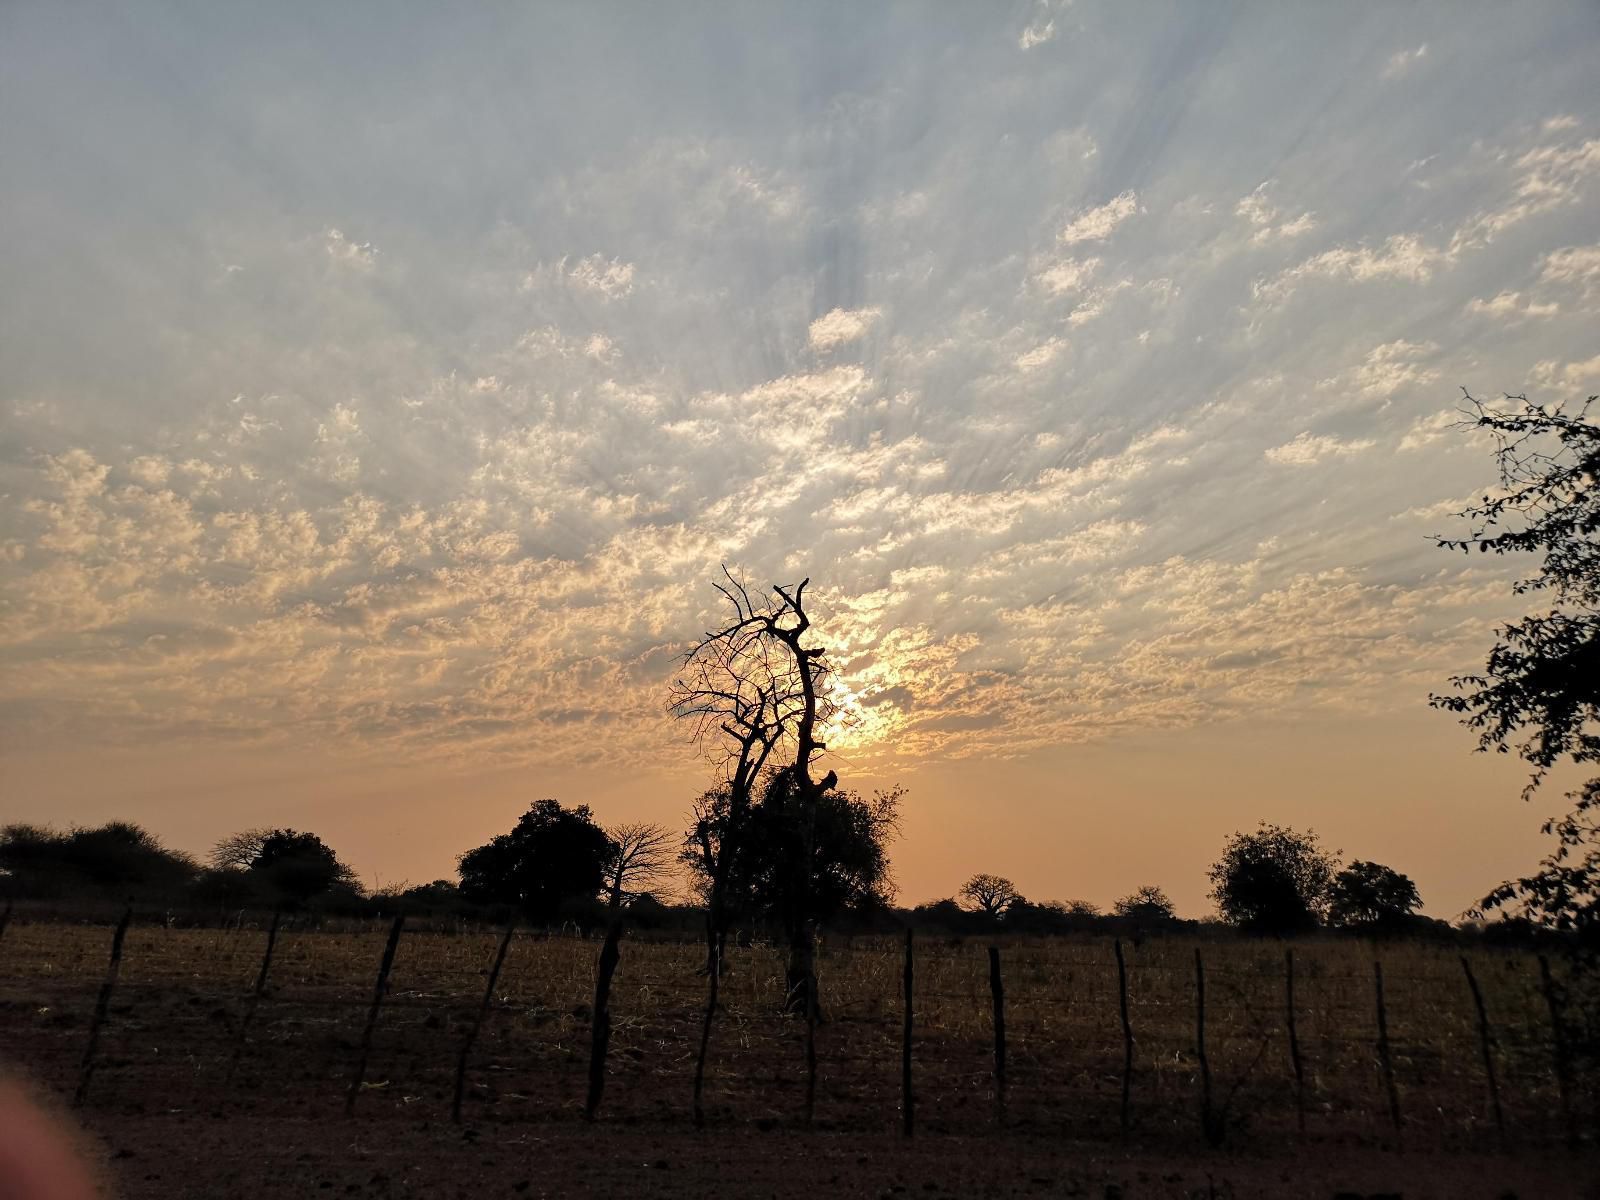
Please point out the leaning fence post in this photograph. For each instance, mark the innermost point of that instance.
(1208, 1122)
(1127, 1030)
(997, 995)
(1558, 1047)
(600, 1018)
(1486, 1044)
(372, 1014)
(256, 993)
(1385, 1060)
(1294, 1042)
(907, 1115)
(101, 1005)
(477, 1022)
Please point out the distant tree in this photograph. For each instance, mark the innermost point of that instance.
(299, 866)
(945, 915)
(552, 855)
(641, 861)
(116, 859)
(1370, 894)
(1082, 909)
(286, 867)
(1539, 693)
(1274, 880)
(1146, 905)
(991, 895)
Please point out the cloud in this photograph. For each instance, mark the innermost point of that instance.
(1573, 266)
(1425, 431)
(1037, 34)
(1393, 366)
(1261, 213)
(1067, 275)
(341, 249)
(1510, 306)
(1305, 449)
(1404, 257)
(611, 277)
(1402, 62)
(1097, 224)
(841, 326)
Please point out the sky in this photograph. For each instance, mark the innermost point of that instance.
(382, 387)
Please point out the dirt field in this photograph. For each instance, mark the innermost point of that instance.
(172, 1116)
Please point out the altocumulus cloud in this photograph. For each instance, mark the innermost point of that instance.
(993, 328)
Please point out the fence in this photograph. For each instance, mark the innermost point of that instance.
(1398, 1044)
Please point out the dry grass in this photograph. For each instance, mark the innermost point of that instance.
(173, 1022)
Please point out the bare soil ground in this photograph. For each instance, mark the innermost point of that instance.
(172, 1115)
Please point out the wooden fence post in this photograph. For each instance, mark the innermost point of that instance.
(471, 1037)
(378, 990)
(600, 1018)
(713, 983)
(5, 918)
(1127, 1030)
(1385, 1060)
(997, 996)
(101, 1005)
(907, 1112)
(1294, 1042)
(1209, 1125)
(255, 994)
(1558, 1047)
(1486, 1044)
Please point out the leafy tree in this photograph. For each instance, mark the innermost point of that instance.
(551, 856)
(117, 858)
(1274, 880)
(1370, 894)
(1539, 692)
(284, 866)
(991, 895)
(772, 877)
(1146, 905)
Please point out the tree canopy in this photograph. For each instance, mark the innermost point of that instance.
(1274, 880)
(1539, 692)
(117, 858)
(991, 895)
(1370, 894)
(553, 855)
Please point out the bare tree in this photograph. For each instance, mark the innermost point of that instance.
(239, 850)
(642, 856)
(991, 894)
(643, 859)
(753, 691)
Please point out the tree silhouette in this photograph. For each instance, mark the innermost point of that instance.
(1370, 894)
(742, 697)
(283, 866)
(118, 858)
(641, 860)
(775, 878)
(754, 689)
(992, 895)
(1145, 905)
(1539, 692)
(552, 855)
(1274, 880)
